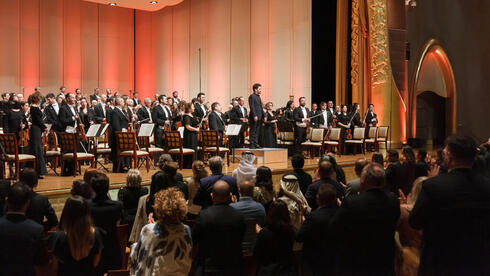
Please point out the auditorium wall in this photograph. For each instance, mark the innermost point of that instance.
(461, 27)
(49, 43)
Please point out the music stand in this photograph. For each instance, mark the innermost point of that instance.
(146, 130)
(94, 132)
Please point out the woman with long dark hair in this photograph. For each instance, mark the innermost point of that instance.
(274, 247)
(78, 244)
(264, 190)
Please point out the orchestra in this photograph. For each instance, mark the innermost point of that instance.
(74, 112)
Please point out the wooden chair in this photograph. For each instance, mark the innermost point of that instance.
(333, 140)
(126, 147)
(382, 137)
(174, 146)
(145, 144)
(9, 143)
(372, 135)
(357, 139)
(316, 140)
(210, 144)
(68, 145)
(122, 232)
(53, 153)
(286, 139)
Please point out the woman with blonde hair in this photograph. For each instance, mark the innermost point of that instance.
(78, 244)
(198, 172)
(130, 195)
(164, 247)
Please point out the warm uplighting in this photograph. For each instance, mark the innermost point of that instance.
(112, 4)
(153, 2)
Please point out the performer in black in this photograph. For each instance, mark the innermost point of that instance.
(119, 122)
(14, 120)
(51, 113)
(161, 119)
(191, 128)
(36, 129)
(314, 122)
(216, 121)
(343, 120)
(100, 110)
(256, 115)
(268, 132)
(355, 117)
(200, 110)
(369, 120)
(144, 112)
(326, 120)
(300, 116)
(238, 116)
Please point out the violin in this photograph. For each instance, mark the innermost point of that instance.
(349, 130)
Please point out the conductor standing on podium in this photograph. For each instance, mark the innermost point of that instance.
(256, 115)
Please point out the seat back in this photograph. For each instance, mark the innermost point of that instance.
(122, 232)
(383, 132)
(209, 138)
(358, 133)
(172, 139)
(9, 143)
(372, 132)
(287, 136)
(126, 141)
(317, 134)
(143, 142)
(334, 134)
(68, 142)
(309, 134)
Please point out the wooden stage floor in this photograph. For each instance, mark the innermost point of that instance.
(58, 185)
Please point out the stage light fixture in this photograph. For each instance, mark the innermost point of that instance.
(411, 3)
(112, 4)
(153, 2)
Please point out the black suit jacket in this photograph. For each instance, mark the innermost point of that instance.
(393, 177)
(40, 208)
(118, 120)
(143, 114)
(298, 114)
(369, 118)
(52, 118)
(236, 114)
(312, 190)
(159, 116)
(255, 104)
(218, 233)
(364, 228)
(93, 97)
(453, 210)
(22, 245)
(198, 112)
(66, 117)
(136, 101)
(216, 122)
(99, 114)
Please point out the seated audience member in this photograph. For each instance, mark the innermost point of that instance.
(106, 214)
(327, 175)
(203, 194)
(393, 172)
(274, 247)
(218, 233)
(21, 239)
(421, 167)
(318, 246)
(408, 169)
(354, 186)
(246, 169)
(130, 196)
(264, 190)
(81, 188)
(253, 213)
(440, 161)
(378, 158)
(198, 172)
(164, 247)
(78, 244)
(39, 206)
(364, 227)
(453, 212)
(304, 178)
(410, 239)
(294, 199)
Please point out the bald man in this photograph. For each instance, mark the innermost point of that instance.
(218, 232)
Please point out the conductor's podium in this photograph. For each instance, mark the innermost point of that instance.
(270, 157)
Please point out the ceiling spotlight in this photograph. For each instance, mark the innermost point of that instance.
(153, 2)
(112, 4)
(411, 3)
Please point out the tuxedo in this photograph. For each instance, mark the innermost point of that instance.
(236, 114)
(256, 110)
(144, 114)
(119, 121)
(94, 97)
(52, 118)
(159, 117)
(299, 131)
(136, 101)
(217, 123)
(199, 113)
(370, 117)
(326, 119)
(67, 117)
(100, 113)
(315, 122)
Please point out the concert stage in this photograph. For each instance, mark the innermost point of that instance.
(57, 188)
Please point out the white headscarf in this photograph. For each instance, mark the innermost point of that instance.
(246, 170)
(294, 198)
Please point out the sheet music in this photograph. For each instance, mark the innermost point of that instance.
(102, 130)
(70, 129)
(146, 130)
(92, 130)
(181, 131)
(233, 130)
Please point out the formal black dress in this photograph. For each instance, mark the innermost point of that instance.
(35, 133)
(344, 119)
(12, 121)
(190, 138)
(268, 134)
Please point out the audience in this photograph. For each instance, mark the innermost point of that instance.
(378, 158)
(274, 247)
(294, 199)
(130, 195)
(304, 178)
(246, 169)
(163, 160)
(253, 213)
(4, 191)
(81, 188)
(203, 194)
(364, 227)
(198, 172)
(21, 238)
(354, 186)
(339, 172)
(318, 250)
(326, 174)
(89, 174)
(106, 214)
(39, 206)
(78, 244)
(408, 169)
(421, 167)
(218, 234)
(164, 247)
(264, 189)
(393, 171)
(453, 212)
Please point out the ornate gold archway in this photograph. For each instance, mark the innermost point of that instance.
(434, 50)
